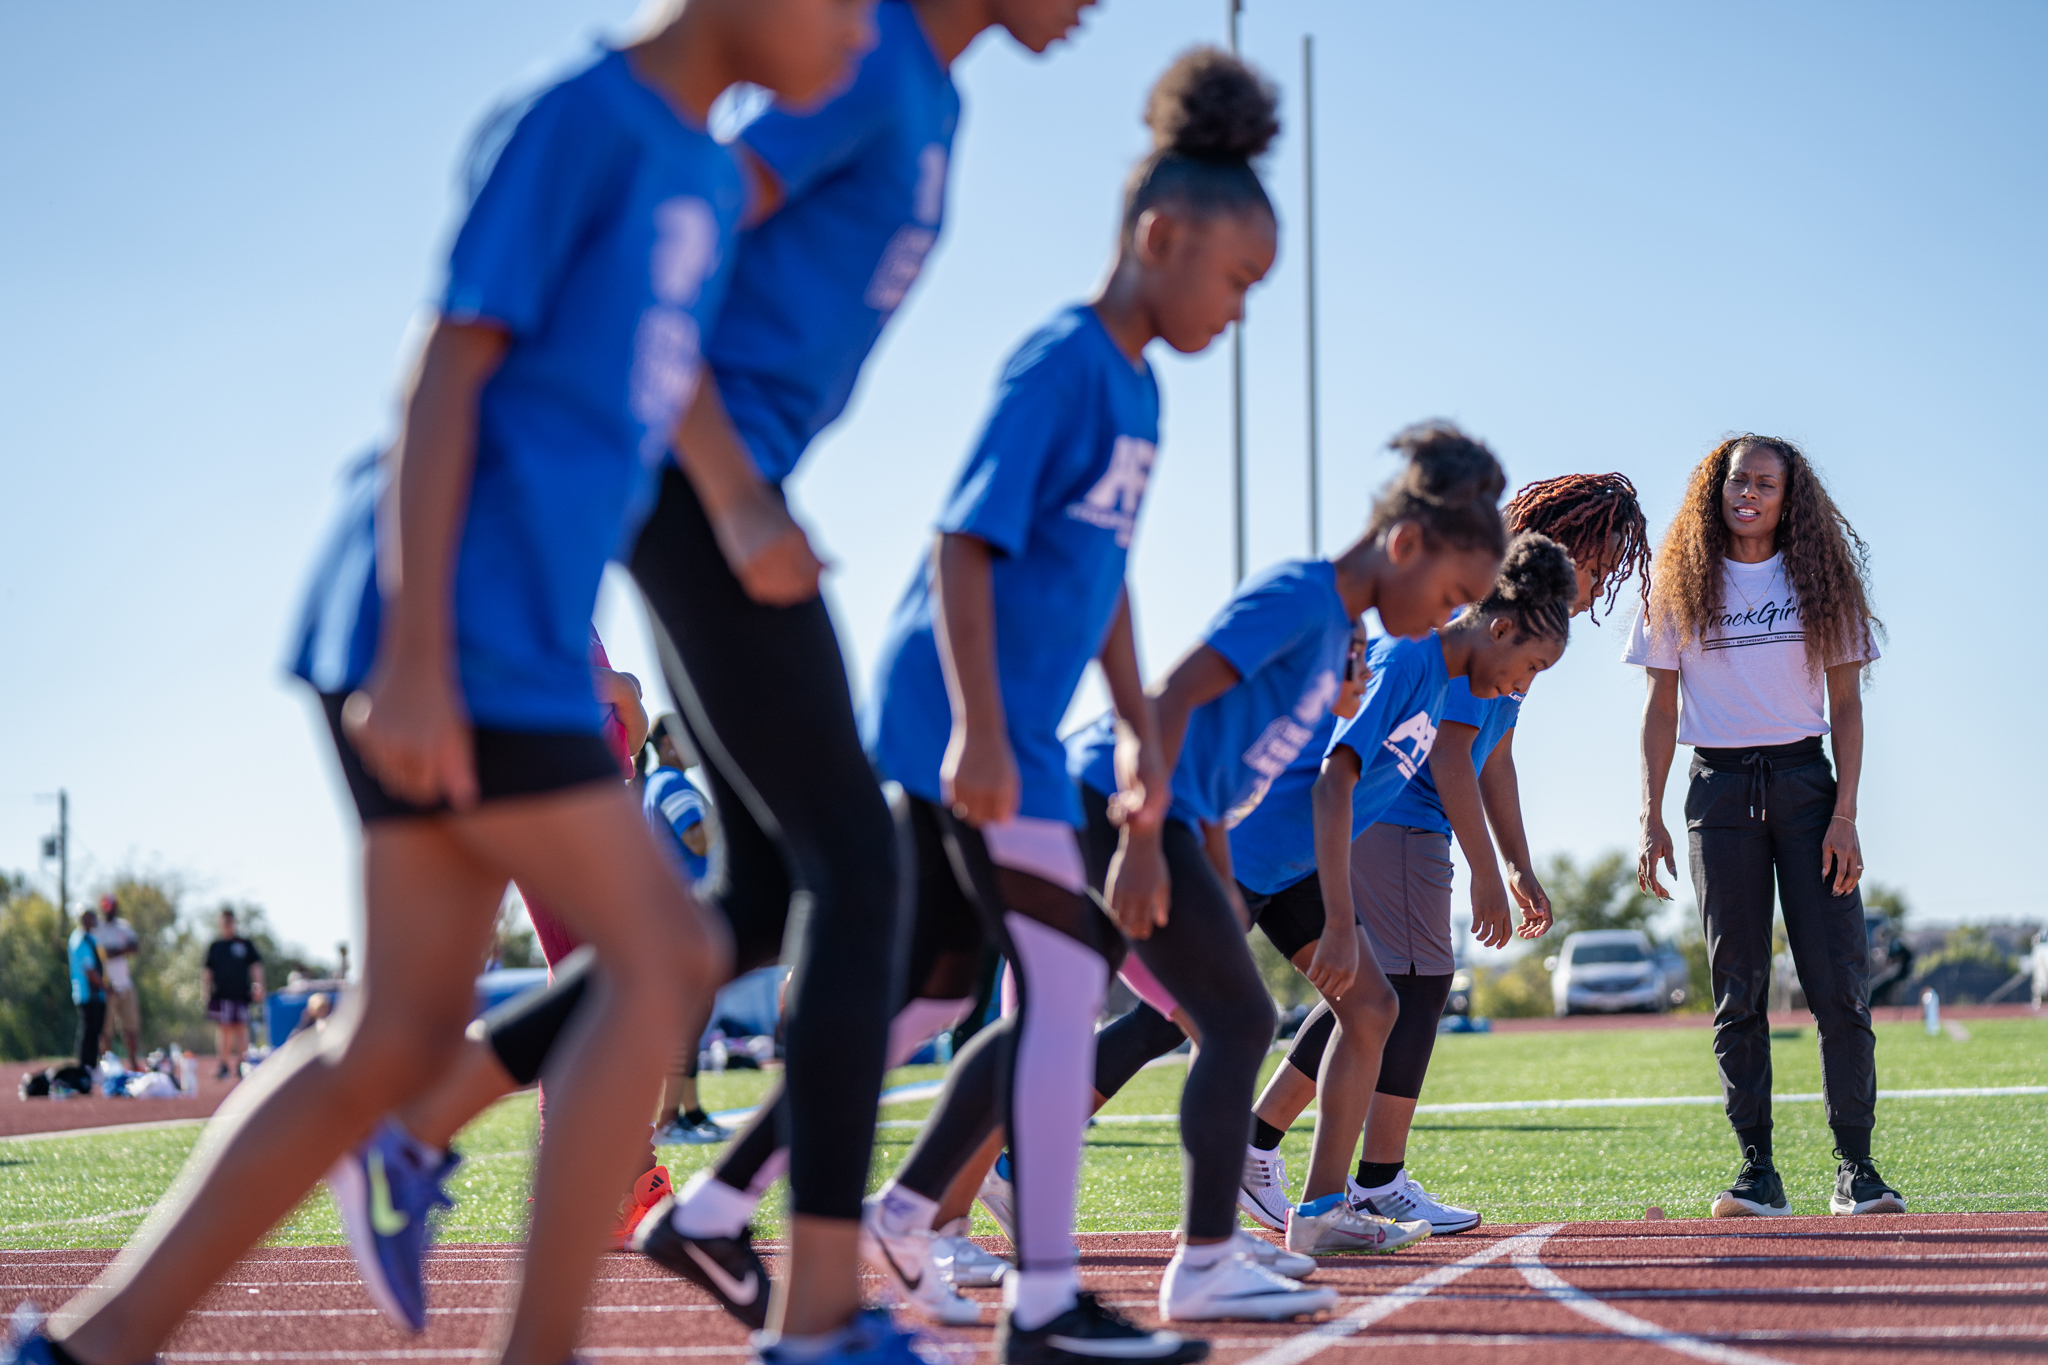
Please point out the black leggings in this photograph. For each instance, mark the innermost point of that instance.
(1405, 1059)
(1200, 955)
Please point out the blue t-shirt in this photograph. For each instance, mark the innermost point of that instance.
(84, 953)
(1275, 846)
(1285, 631)
(1418, 806)
(597, 234)
(1053, 486)
(815, 284)
(672, 805)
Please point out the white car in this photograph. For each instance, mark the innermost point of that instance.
(1607, 971)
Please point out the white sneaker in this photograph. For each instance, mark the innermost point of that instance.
(1405, 1200)
(1330, 1226)
(1262, 1189)
(999, 1197)
(908, 1261)
(963, 1261)
(1235, 1287)
(1277, 1259)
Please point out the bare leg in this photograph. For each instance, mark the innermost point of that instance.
(1287, 1096)
(430, 904)
(1386, 1127)
(811, 1298)
(1351, 1067)
(958, 1201)
(475, 1081)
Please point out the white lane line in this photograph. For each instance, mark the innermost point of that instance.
(1829, 1234)
(115, 1216)
(1890, 1258)
(1529, 1261)
(1808, 1291)
(458, 1353)
(105, 1130)
(1324, 1335)
(440, 1312)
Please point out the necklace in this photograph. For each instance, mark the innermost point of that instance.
(1735, 580)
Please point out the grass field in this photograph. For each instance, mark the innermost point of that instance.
(1516, 1166)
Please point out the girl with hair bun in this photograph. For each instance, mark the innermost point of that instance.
(1755, 640)
(1024, 585)
(1401, 872)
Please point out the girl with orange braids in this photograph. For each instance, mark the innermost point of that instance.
(1755, 640)
(1401, 876)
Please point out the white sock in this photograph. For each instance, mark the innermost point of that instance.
(905, 1210)
(1202, 1256)
(1036, 1297)
(708, 1207)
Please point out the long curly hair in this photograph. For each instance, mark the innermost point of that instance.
(1825, 561)
(1586, 513)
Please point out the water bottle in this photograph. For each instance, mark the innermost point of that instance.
(188, 1072)
(1930, 1007)
(942, 1047)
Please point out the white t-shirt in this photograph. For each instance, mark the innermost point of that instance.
(1746, 684)
(114, 935)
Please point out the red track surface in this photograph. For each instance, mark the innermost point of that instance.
(19, 1116)
(1957, 1287)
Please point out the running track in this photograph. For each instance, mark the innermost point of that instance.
(1953, 1287)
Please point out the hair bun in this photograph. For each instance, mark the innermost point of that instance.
(1536, 569)
(1213, 107)
(1447, 466)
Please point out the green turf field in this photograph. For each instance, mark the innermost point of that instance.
(1516, 1166)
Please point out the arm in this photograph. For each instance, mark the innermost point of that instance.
(1660, 743)
(1841, 852)
(1336, 956)
(1500, 792)
(1450, 764)
(1136, 887)
(407, 721)
(1216, 844)
(767, 551)
(978, 778)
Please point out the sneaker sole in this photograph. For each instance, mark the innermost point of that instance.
(1258, 1214)
(1274, 1308)
(670, 1254)
(1187, 1353)
(1727, 1206)
(1839, 1205)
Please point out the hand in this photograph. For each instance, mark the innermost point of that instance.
(767, 551)
(978, 778)
(1138, 884)
(621, 692)
(1656, 848)
(413, 735)
(1842, 853)
(1534, 900)
(1335, 964)
(1491, 924)
(1144, 788)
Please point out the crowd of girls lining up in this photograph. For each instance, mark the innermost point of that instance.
(639, 332)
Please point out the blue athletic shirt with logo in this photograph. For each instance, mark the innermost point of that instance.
(1053, 486)
(1275, 846)
(814, 285)
(671, 806)
(1286, 633)
(597, 234)
(1418, 806)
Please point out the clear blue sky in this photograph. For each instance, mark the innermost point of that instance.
(1601, 236)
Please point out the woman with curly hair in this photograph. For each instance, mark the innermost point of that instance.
(1758, 629)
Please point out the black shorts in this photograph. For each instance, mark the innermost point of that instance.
(508, 763)
(1292, 917)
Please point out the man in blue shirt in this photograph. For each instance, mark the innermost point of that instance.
(88, 988)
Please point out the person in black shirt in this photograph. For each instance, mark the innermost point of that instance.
(233, 984)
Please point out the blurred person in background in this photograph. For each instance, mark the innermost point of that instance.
(679, 816)
(118, 946)
(234, 986)
(88, 988)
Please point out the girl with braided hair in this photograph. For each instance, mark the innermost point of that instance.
(1755, 640)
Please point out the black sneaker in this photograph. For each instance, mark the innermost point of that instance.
(1090, 1333)
(1756, 1193)
(728, 1267)
(1860, 1189)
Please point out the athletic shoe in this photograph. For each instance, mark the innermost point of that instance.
(1405, 1201)
(1756, 1193)
(1235, 1288)
(872, 1338)
(1262, 1189)
(910, 1261)
(1277, 1259)
(1091, 1333)
(999, 1197)
(1860, 1189)
(384, 1199)
(650, 1189)
(728, 1268)
(964, 1261)
(1331, 1227)
(681, 1132)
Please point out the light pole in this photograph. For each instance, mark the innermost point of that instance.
(1308, 223)
(58, 846)
(1236, 7)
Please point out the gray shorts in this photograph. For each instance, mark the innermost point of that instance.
(1401, 882)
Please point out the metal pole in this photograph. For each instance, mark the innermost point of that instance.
(1237, 396)
(1308, 219)
(63, 856)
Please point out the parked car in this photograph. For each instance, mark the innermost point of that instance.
(1677, 975)
(1460, 1000)
(1607, 971)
